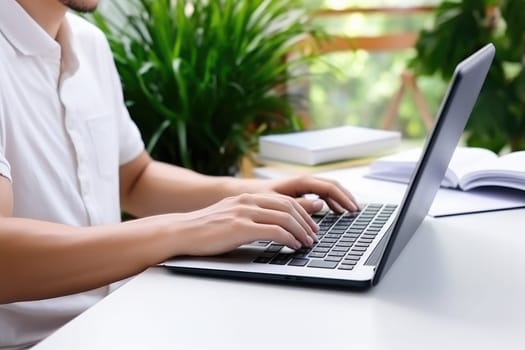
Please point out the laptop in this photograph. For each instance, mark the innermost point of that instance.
(357, 249)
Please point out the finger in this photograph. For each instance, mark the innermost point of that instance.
(325, 188)
(294, 215)
(254, 231)
(349, 195)
(277, 234)
(332, 190)
(311, 206)
(285, 229)
(312, 227)
(336, 207)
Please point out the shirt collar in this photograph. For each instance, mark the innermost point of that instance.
(24, 34)
(30, 39)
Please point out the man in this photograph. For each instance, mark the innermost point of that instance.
(71, 159)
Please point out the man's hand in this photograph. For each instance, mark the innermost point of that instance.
(336, 196)
(277, 211)
(242, 219)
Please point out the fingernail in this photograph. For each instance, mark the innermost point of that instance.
(317, 205)
(310, 240)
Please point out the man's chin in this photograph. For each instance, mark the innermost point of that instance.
(81, 5)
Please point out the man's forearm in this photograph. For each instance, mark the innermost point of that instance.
(163, 188)
(41, 259)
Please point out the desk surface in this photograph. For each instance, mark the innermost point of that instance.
(459, 283)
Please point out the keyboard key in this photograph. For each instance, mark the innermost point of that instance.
(359, 249)
(332, 253)
(259, 243)
(303, 250)
(280, 259)
(321, 264)
(346, 267)
(298, 262)
(364, 245)
(274, 248)
(333, 258)
(339, 228)
(316, 255)
(317, 218)
(325, 245)
(349, 262)
(375, 226)
(341, 249)
(352, 258)
(354, 253)
(262, 259)
(321, 250)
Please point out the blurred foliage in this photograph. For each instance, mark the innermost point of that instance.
(355, 87)
(460, 28)
(201, 78)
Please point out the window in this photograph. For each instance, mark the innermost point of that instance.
(355, 86)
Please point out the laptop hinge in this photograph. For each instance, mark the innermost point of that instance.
(375, 257)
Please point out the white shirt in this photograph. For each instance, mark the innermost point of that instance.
(64, 131)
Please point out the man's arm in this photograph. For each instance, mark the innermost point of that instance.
(42, 259)
(148, 188)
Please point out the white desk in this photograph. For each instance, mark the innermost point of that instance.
(459, 284)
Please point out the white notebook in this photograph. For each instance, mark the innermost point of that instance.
(328, 145)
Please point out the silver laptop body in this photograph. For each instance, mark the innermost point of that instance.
(355, 250)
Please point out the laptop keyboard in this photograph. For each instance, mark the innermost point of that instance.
(343, 240)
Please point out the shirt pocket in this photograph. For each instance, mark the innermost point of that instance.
(104, 140)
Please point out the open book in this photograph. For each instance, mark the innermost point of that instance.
(469, 168)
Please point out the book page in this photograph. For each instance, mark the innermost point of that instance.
(468, 159)
(399, 167)
(506, 171)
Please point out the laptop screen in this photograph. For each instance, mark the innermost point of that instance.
(451, 120)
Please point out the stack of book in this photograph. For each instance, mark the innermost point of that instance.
(323, 150)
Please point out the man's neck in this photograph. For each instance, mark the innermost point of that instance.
(49, 14)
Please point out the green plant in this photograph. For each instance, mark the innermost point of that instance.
(460, 28)
(204, 78)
